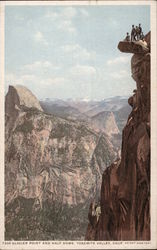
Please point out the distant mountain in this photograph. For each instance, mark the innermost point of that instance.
(62, 109)
(121, 116)
(82, 105)
(105, 122)
(110, 104)
(105, 116)
(81, 109)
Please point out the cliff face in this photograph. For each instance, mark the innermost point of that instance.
(125, 190)
(53, 167)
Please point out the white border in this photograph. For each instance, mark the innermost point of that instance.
(153, 180)
(80, 2)
(82, 244)
(1, 121)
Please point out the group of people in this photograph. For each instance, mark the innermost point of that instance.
(136, 34)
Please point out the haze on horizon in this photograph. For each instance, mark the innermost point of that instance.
(71, 51)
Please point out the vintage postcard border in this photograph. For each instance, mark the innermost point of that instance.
(82, 244)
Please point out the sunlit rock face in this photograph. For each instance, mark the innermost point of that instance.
(105, 122)
(53, 167)
(125, 190)
(18, 96)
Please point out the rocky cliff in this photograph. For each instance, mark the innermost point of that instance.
(105, 122)
(125, 190)
(53, 167)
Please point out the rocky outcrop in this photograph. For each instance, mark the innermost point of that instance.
(125, 190)
(138, 47)
(53, 167)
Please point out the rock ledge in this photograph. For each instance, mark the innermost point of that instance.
(133, 47)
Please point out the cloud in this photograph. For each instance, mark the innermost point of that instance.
(67, 26)
(120, 74)
(39, 38)
(53, 80)
(13, 79)
(39, 65)
(118, 60)
(63, 19)
(52, 15)
(65, 13)
(78, 52)
(31, 79)
(68, 12)
(39, 86)
(82, 71)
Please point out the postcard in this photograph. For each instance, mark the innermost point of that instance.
(78, 125)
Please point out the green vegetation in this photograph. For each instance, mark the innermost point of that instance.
(25, 127)
(61, 130)
(54, 222)
(32, 111)
(104, 153)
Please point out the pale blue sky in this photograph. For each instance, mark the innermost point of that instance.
(71, 51)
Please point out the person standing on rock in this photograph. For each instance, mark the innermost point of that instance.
(140, 30)
(133, 34)
(137, 33)
(127, 39)
(142, 36)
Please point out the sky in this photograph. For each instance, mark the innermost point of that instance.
(71, 51)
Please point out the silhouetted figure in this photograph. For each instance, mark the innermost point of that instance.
(142, 36)
(140, 31)
(137, 33)
(127, 39)
(133, 34)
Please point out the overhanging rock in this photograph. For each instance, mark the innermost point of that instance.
(133, 47)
